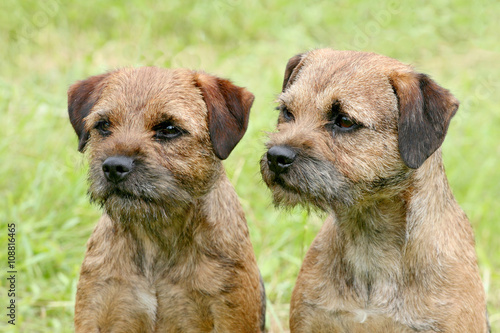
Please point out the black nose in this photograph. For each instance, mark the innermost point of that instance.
(280, 158)
(116, 168)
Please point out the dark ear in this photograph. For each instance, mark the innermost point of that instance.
(82, 96)
(291, 70)
(425, 111)
(228, 110)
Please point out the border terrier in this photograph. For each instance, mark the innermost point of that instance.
(359, 137)
(171, 252)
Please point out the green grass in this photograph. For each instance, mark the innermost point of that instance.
(48, 45)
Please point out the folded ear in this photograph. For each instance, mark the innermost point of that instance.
(291, 70)
(425, 111)
(82, 96)
(228, 111)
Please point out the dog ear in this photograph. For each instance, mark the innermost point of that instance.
(291, 70)
(82, 96)
(228, 111)
(425, 111)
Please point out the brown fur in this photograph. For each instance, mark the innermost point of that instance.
(171, 252)
(397, 252)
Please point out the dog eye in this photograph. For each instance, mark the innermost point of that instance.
(344, 122)
(103, 127)
(287, 115)
(167, 131)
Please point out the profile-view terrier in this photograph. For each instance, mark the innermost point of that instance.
(359, 137)
(171, 252)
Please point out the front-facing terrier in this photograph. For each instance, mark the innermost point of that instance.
(171, 252)
(359, 137)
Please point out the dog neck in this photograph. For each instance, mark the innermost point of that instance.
(371, 237)
(377, 237)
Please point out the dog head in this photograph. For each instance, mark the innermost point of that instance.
(351, 124)
(155, 137)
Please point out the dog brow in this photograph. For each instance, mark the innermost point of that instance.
(104, 113)
(283, 98)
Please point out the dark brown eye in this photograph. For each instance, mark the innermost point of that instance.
(167, 131)
(344, 122)
(287, 115)
(102, 126)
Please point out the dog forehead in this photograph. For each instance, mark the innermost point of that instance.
(154, 93)
(358, 80)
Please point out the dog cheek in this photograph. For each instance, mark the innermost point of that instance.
(194, 169)
(324, 184)
(367, 156)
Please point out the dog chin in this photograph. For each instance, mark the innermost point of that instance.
(129, 209)
(286, 195)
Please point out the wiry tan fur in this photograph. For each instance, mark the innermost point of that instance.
(397, 252)
(171, 252)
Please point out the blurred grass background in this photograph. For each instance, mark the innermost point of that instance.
(47, 45)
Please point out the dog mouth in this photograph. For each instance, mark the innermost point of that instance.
(137, 190)
(288, 194)
(128, 204)
(275, 179)
(120, 193)
(279, 180)
(145, 193)
(293, 179)
(309, 182)
(104, 193)
(132, 188)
